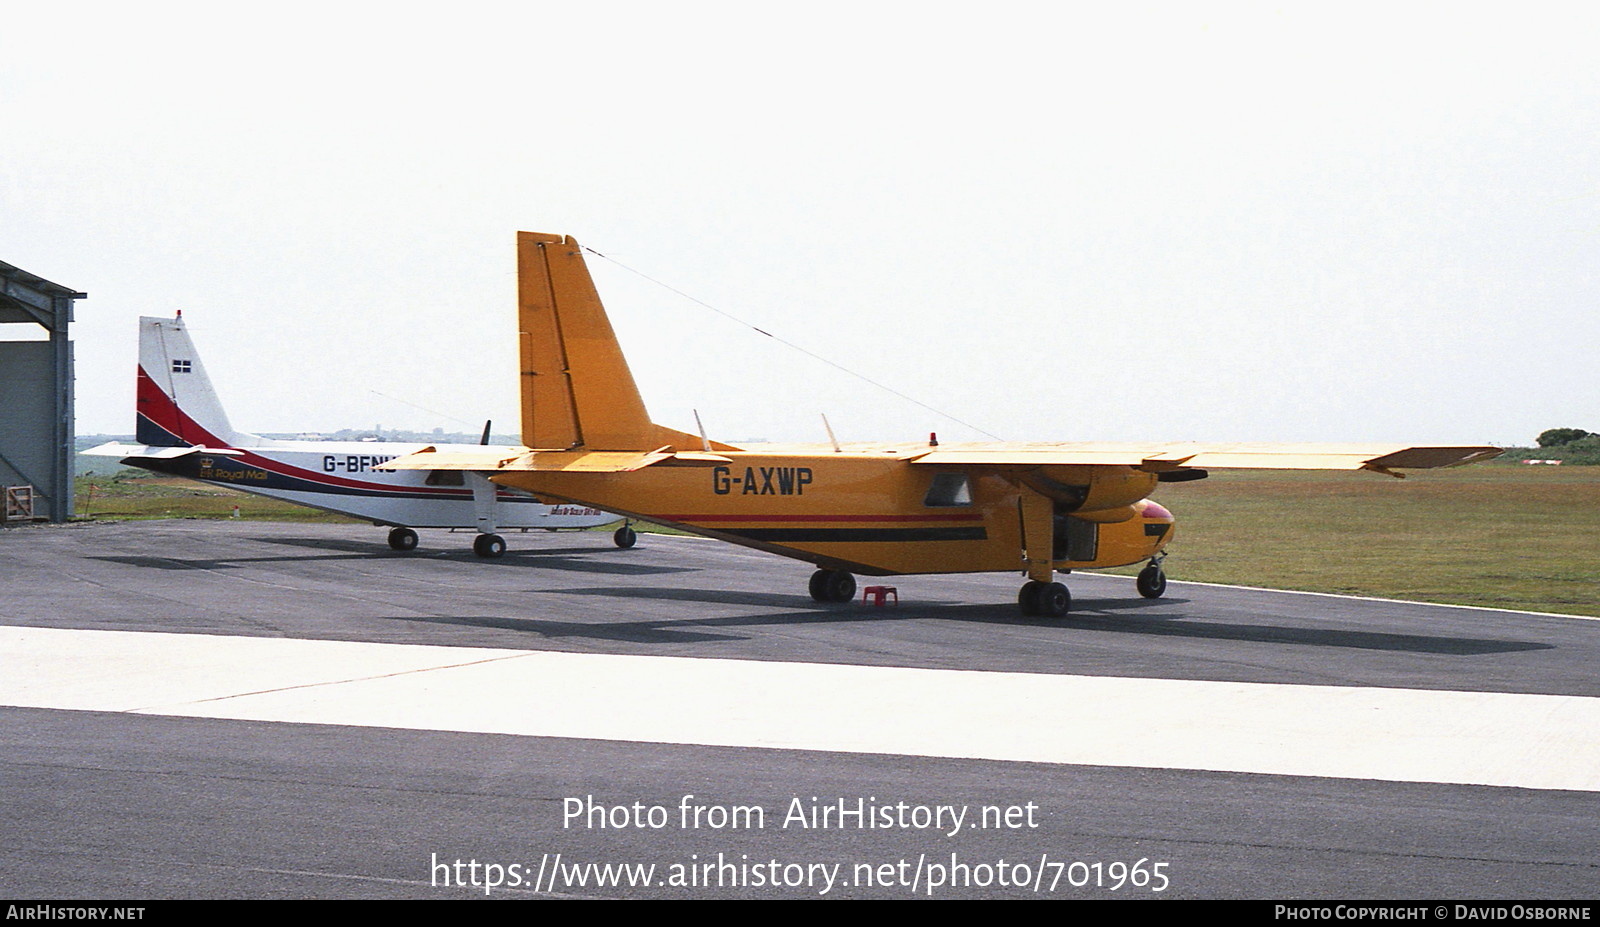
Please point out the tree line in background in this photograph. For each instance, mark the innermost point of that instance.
(1568, 445)
(1560, 437)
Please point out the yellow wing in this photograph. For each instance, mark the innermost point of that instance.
(1159, 458)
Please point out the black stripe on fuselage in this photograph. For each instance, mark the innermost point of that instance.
(823, 535)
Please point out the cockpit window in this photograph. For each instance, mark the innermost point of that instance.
(445, 478)
(948, 489)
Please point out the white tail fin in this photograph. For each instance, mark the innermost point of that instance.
(176, 406)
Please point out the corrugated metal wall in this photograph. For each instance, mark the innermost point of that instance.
(36, 433)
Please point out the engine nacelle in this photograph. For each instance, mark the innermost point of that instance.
(1099, 494)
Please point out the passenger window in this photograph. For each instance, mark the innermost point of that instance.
(948, 489)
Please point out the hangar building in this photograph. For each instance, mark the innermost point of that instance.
(36, 433)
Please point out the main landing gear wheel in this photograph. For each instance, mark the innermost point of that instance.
(625, 537)
(403, 539)
(1044, 600)
(489, 546)
(1152, 582)
(833, 586)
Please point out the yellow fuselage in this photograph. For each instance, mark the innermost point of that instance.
(874, 511)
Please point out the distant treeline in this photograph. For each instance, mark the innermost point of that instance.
(1571, 446)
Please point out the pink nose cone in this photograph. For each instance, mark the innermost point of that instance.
(1155, 510)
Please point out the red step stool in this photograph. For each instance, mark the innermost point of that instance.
(877, 594)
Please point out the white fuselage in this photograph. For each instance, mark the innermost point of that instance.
(341, 476)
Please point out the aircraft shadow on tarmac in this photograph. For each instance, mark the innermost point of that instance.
(1112, 615)
(632, 632)
(1089, 615)
(205, 563)
(452, 548)
(596, 558)
(552, 560)
(679, 630)
(572, 559)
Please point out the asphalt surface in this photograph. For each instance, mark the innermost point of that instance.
(146, 804)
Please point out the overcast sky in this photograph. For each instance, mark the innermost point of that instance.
(1065, 221)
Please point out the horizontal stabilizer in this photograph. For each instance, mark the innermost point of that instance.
(431, 458)
(147, 452)
(548, 461)
(699, 459)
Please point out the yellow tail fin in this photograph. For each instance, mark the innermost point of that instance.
(577, 390)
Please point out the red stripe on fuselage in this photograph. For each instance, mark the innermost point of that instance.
(821, 518)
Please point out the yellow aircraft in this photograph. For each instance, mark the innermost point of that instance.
(878, 510)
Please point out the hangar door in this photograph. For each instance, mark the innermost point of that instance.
(27, 418)
(36, 390)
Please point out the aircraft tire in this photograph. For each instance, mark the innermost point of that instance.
(1028, 598)
(625, 537)
(403, 539)
(832, 586)
(489, 546)
(1151, 582)
(1054, 600)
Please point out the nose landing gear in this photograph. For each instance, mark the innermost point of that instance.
(1151, 581)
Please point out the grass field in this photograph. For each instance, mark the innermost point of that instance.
(124, 498)
(1505, 537)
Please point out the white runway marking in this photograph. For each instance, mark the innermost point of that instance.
(1530, 741)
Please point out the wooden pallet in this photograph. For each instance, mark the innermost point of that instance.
(18, 504)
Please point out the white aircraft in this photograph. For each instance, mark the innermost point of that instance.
(183, 431)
